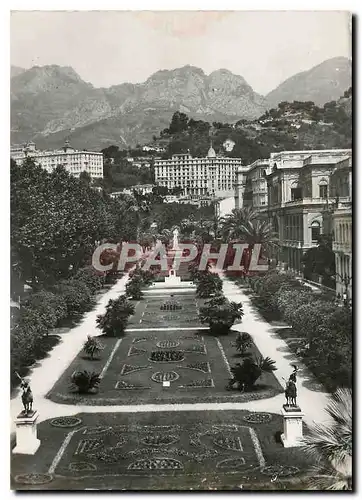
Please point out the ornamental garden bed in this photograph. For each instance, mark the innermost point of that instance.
(196, 368)
(149, 314)
(161, 451)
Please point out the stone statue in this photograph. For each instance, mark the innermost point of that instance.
(291, 393)
(175, 239)
(27, 395)
(291, 388)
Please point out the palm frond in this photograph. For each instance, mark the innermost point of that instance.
(327, 478)
(266, 364)
(331, 443)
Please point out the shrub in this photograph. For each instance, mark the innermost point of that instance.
(115, 319)
(134, 288)
(146, 276)
(272, 282)
(247, 373)
(220, 314)
(92, 346)
(326, 328)
(194, 271)
(288, 300)
(208, 284)
(242, 342)
(84, 381)
(307, 318)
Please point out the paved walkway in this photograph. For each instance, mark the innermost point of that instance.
(47, 372)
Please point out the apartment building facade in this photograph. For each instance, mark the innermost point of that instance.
(341, 222)
(251, 186)
(299, 191)
(74, 161)
(209, 176)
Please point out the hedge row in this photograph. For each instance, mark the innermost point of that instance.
(326, 327)
(43, 310)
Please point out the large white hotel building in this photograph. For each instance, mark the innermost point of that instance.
(212, 175)
(75, 162)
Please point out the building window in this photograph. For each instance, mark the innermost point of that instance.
(296, 193)
(316, 231)
(323, 190)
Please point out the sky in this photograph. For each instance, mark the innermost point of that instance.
(111, 47)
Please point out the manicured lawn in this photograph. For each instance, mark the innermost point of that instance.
(149, 315)
(160, 451)
(132, 377)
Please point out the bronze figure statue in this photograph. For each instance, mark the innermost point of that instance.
(291, 388)
(27, 395)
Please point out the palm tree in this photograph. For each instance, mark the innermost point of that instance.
(232, 224)
(187, 226)
(247, 373)
(330, 445)
(258, 231)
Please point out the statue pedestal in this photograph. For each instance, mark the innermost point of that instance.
(27, 442)
(293, 426)
(172, 279)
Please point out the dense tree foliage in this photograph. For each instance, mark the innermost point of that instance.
(56, 221)
(320, 260)
(326, 127)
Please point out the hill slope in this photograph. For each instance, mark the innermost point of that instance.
(15, 71)
(323, 83)
(50, 103)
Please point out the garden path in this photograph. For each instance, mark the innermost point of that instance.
(312, 402)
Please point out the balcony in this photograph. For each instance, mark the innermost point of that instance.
(327, 202)
(291, 243)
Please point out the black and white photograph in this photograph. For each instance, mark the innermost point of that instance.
(181, 278)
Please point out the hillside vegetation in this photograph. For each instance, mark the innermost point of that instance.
(290, 126)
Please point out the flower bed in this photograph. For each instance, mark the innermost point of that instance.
(258, 418)
(201, 366)
(127, 369)
(160, 439)
(168, 344)
(165, 377)
(201, 383)
(166, 356)
(65, 422)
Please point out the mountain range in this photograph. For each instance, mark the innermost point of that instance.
(50, 104)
